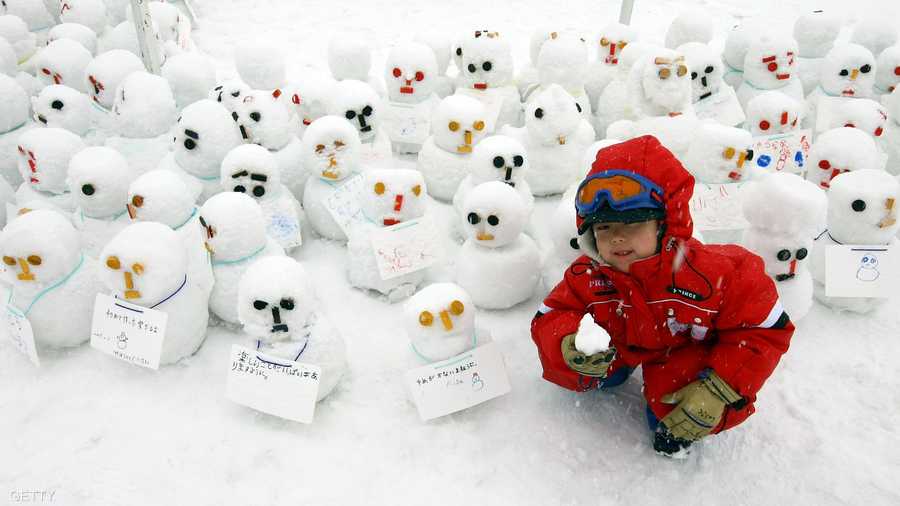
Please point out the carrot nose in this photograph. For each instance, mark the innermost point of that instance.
(741, 158)
(332, 162)
(468, 137)
(853, 74)
(887, 221)
(784, 118)
(793, 266)
(445, 319)
(26, 274)
(130, 292)
(398, 202)
(612, 49)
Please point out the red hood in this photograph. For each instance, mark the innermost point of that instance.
(647, 157)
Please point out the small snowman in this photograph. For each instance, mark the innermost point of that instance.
(862, 210)
(555, 136)
(203, 135)
(847, 73)
(263, 118)
(563, 61)
(281, 316)
(44, 155)
(496, 158)
(143, 113)
(13, 123)
(410, 73)
(361, 105)
(106, 72)
(440, 45)
(331, 156)
(611, 40)
(815, 33)
(498, 265)
(310, 98)
(737, 42)
(191, 75)
(440, 323)
(711, 97)
(659, 84)
(457, 125)
(145, 264)
(690, 25)
(161, 196)
(785, 212)
(229, 93)
(486, 74)
(841, 150)
(613, 105)
(770, 64)
(98, 180)
(253, 170)
(75, 31)
(235, 231)
(59, 106)
(389, 197)
(865, 114)
(63, 61)
(718, 154)
(261, 66)
(47, 273)
(771, 113)
(887, 71)
(527, 79)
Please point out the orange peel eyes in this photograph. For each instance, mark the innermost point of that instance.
(137, 201)
(417, 190)
(604, 42)
(113, 263)
(728, 153)
(478, 125)
(682, 70)
(664, 73)
(379, 188)
(9, 260)
(457, 307)
(453, 126)
(34, 260)
(320, 148)
(426, 319)
(137, 269)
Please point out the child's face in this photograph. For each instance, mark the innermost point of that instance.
(621, 244)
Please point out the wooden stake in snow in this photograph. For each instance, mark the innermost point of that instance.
(143, 26)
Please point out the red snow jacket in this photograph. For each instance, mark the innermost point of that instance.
(688, 308)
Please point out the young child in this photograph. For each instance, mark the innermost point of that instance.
(704, 321)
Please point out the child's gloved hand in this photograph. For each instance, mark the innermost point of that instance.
(700, 406)
(595, 365)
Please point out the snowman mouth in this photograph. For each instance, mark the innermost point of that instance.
(306, 121)
(390, 221)
(409, 90)
(281, 327)
(480, 86)
(244, 132)
(42, 119)
(706, 95)
(784, 277)
(848, 92)
(481, 236)
(782, 77)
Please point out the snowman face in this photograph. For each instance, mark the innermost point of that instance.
(233, 226)
(499, 158)
(263, 119)
(38, 248)
(144, 106)
(310, 102)
(393, 196)
(441, 312)
(887, 66)
(848, 71)
(458, 124)
(706, 70)
(331, 148)
(358, 103)
(62, 107)
(143, 264)
(275, 299)
(769, 63)
(721, 152)
(202, 137)
(864, 114)
(254, 181)
(839, 151)
(229, 93)
(486, 61)
(552, 117)
(494, 215)
(772, 112)
(862, 207)
(784, 258)
(410, 73)
(167, 18)
(161, 196)
(666, 82)
(62, 62)
(105, 72)
(43, 157)
(99, 179)
(612, 41)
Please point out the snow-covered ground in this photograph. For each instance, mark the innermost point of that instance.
(100, 432)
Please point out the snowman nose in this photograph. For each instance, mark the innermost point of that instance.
(445, 319)
(276, 315)
(793, 266)
(888, 220)
(130, 292)
(853, 74)
(26, 274)
(398, 202)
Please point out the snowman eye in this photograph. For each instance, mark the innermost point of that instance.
(453, 126)
(784, 255)
(287, 304)
(202, 221)
(396, 72)
(728, 153)
(113, 263)
(9, 260)
(486, 66)
(255, 116)
(34, 260)
(858, 205)
(518, 160)
(472, 68)
(457, 308)
(459, 51)
(844, 72)
(420, 76)
(709, 69)
(259, 305)
(473, 218)
(682, 70)
(379, 188)
(764, 125)
(664, 73)
(240, 189)
(478, 125)
(259, 191)
(538, 113)
(865, 69)
(137, 201)
(367, 110)
(87, 189)
(604, 42)
(426, 319)
(499, 161)
(417, 189)
(493, 220)
(189, 144)
(578, 106)
(350, 114)
(137, 269)
(57, 104)
(801, 253)
(573, 243)
(320, 148)
(693, 76)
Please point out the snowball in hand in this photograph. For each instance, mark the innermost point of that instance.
(591, 338)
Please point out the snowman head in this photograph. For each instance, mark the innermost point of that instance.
(261, 66)
(331, 148)
(14, 106)
(349, 57)
(612, 39)
(770, 62)
(862, 207)
(720, 154)
(499, 158)
(838, 151)
(359, 104)
(191, 75)
(552, 117)
(99, 179)
(486, 61)
(665, 82)
(263, 119)
(161, 196)
(737, 42)
(80, 33)
(440, 320)
(876, 32)
(168, 20)
(202, 136)
(90, 13)
(105, 73)
(234, 226)
(772, 112)
(458, 124)
(705, 66)
(63, 107)
(410, 72)
(275, 299)
(229, 93)
(16, 32)
(848, 70)
(310, 98)
(39, 248)
(864, 114)
(253, 170)
(43, 157)
(690, 25)
(144, 263)
(887, 73)
(539, 36)
(392, 196)
(63, 61)
(563, 60)
(784, 204)
(144, 106)
(494, 215)
(815, 32)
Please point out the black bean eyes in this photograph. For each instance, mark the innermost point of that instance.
(240, 189)
(499, 161)
(473, 218)
(578, 106)
(459, 51)
(573, 243)
(367, 110)
(858, 206)
(784, 255)
(88, 189)
(259, 191)
(472, 68)
(255, 116)
(486, 66)
(189, 144)
(287, 304)
(493, 220)
(260, 305)
(350, 114)
(801, 253)
(202, 221)
(709, 69)
(538, 113)
(844, 72)
(693, 76)
(865, 69)
(57, 104)
(518, 161)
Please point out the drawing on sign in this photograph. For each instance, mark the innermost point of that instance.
(406, 247)
(868, 268)
(782, 152)
(718, 207)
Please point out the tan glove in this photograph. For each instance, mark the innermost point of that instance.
(595, 365)
(700, 406)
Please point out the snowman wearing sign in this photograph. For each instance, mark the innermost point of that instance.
(411, 74)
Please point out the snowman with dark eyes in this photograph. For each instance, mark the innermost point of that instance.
(60, 106)
(229, 93)
(711, 97)
(359, 104)
(282, 317)
(847, 73)
(498, 265)
(410, 74)
(486, 73)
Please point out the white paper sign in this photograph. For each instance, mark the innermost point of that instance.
(787, 152)
(458, 383)
(127, 331)
(344, 203)
(273, 385)
(409, 123)
(406, 247)
(718, 207)
(20, 334)
(285, 229)
(861, 271)
(722, 107)
(493, 105)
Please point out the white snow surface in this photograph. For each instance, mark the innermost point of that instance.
(98, 431)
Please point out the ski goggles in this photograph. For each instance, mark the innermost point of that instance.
(621, 190)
